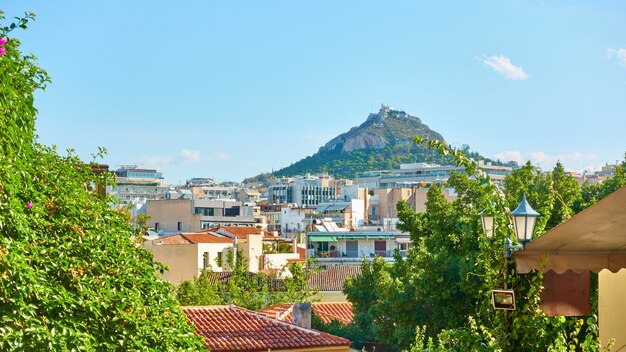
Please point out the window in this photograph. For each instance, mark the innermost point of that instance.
(218, 259)
(403, 246)
(205, 260)
(180, 226)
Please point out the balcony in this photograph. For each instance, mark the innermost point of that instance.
(350, 256)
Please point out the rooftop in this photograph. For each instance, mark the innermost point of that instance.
(326, 311)
(230, 328)
(242, 231)
(333, 277)
(193, 238)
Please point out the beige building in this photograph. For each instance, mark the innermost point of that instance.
(171, 216)
(383, 203)
(186, 255)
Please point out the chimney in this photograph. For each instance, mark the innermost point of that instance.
(302, 314)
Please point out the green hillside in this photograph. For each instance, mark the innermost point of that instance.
(382, 142)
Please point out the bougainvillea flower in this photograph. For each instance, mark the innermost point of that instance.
(3, 51)
(29, 205)
(3, 41)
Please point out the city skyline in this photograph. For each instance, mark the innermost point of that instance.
(228, 91)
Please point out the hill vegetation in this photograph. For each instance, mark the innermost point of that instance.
(382, 142)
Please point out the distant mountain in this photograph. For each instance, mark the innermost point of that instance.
(382, 142)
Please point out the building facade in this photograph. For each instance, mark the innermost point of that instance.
(171, 216)
(135, 184)
(409, 175)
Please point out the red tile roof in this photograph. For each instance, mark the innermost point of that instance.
(206, 238)
(242, 231)
(230, 328)
(326, 311)
(279, 311)
(273, 284)
(332, 278)
(329, 311)
(193, 238)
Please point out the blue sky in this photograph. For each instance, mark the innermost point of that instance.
(231, 89)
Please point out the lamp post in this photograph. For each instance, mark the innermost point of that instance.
(523, 219)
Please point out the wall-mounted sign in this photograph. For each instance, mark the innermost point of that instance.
(503, 299)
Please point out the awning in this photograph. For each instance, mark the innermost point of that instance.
(403, 240)
(322, 238)
(321, 208)
(336, 207)
(335, 236)
(593, 239)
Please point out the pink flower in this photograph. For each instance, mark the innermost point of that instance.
(29, 205)
(3, 41)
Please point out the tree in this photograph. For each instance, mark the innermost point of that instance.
(70, 276)
(244, 289)
(443, 286)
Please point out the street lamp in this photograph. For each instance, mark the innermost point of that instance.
(488, 224)
(523, 218)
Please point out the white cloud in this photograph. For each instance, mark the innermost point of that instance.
(191, 156)
(186, 157)
(510, 155)
(544, 160)
(504, 66)
(157, 161)
(620, 54)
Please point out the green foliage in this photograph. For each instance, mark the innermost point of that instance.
(70, 276)
(593, 193)
(277, 247)
(349, 164)
(394, 134)
(443, 285)
(245, 289)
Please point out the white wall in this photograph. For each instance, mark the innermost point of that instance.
(358, 213)
(290, 219)
(278, 260)
(212, 249)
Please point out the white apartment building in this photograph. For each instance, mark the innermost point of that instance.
(409, 175)
(134, 183)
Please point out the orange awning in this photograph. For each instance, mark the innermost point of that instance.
(593, 239)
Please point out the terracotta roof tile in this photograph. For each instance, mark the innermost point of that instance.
(332, 278)
(192, 238)
(172, 239)
(279, 311)
(326, 311)
(230, 328)
(224, 277)
(242, 231)
(329, 311)
(206, 238)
